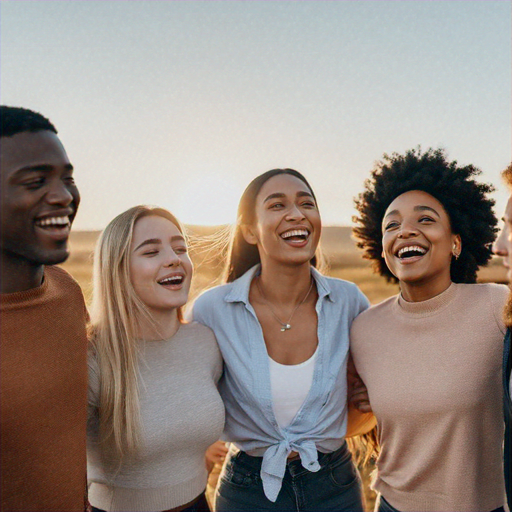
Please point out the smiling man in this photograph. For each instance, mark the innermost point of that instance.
(43, 370)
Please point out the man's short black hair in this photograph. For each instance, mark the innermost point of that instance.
(15, 120)
(465, 201)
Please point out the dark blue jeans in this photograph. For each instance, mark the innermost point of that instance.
(384, 506)
(336, 487)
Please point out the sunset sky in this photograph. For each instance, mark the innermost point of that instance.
(181, 104)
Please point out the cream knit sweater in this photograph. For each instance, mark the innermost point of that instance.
(182, 414)
(433, 372)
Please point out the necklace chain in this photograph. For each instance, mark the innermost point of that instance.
(284, 326)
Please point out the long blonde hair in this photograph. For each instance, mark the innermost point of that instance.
(116, 314)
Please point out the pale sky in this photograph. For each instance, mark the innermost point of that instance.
(181, 104)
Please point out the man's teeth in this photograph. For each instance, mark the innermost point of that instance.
(295, 232)
(53, 221)
(172, 280)
(411, 248)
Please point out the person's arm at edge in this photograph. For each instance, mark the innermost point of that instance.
(360, 418)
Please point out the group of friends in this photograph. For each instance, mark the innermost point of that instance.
(114, 409)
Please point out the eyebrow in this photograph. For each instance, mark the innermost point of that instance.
(39, 168)
(151, 241)
(275, 195)
(419, 208)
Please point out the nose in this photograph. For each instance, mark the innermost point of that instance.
(500, 245)
(407, 230)
(59, 194)
(295, 213)
(172, 259)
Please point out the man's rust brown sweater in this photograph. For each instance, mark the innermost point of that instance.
(43, 405)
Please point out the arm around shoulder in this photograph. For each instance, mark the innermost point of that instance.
(358, 422)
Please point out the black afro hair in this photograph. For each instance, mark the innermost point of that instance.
(466, 202)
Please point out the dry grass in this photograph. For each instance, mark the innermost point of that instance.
(344, 262)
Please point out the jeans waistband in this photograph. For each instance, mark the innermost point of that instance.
(324, 459)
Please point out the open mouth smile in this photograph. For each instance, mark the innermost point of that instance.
(173, 281)
(53, 222)
(54, 227)
(410, 253)
(296, 237)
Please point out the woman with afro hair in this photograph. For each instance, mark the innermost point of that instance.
(431, 356)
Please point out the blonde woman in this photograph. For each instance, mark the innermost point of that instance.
(154, 407)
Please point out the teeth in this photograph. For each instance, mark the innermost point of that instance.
(416, 248)
(295, 232)
(171, 280)
(53, 221)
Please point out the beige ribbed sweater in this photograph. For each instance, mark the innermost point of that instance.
(433, 372)
(182, 414)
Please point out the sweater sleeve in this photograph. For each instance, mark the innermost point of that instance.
(498, 298)
(93, 389)
(217, 361)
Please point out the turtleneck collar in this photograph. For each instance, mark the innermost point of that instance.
(427, 307)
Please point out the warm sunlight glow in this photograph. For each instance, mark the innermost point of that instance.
(206, 201)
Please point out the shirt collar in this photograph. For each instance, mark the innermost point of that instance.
(241, 286)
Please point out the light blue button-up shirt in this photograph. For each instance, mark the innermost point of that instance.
(245, 388)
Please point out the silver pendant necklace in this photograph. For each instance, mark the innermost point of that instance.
(285, 326)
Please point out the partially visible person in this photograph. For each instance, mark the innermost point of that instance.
(43, 369)
(283, 329)
(503, 247)
(154, 408)
(215, 454)
(215, 457)
(431, 357)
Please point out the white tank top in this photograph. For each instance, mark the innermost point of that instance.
(290, 385)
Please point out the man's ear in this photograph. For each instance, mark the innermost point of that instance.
(249, 234)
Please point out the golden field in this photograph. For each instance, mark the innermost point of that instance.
(207, 252)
